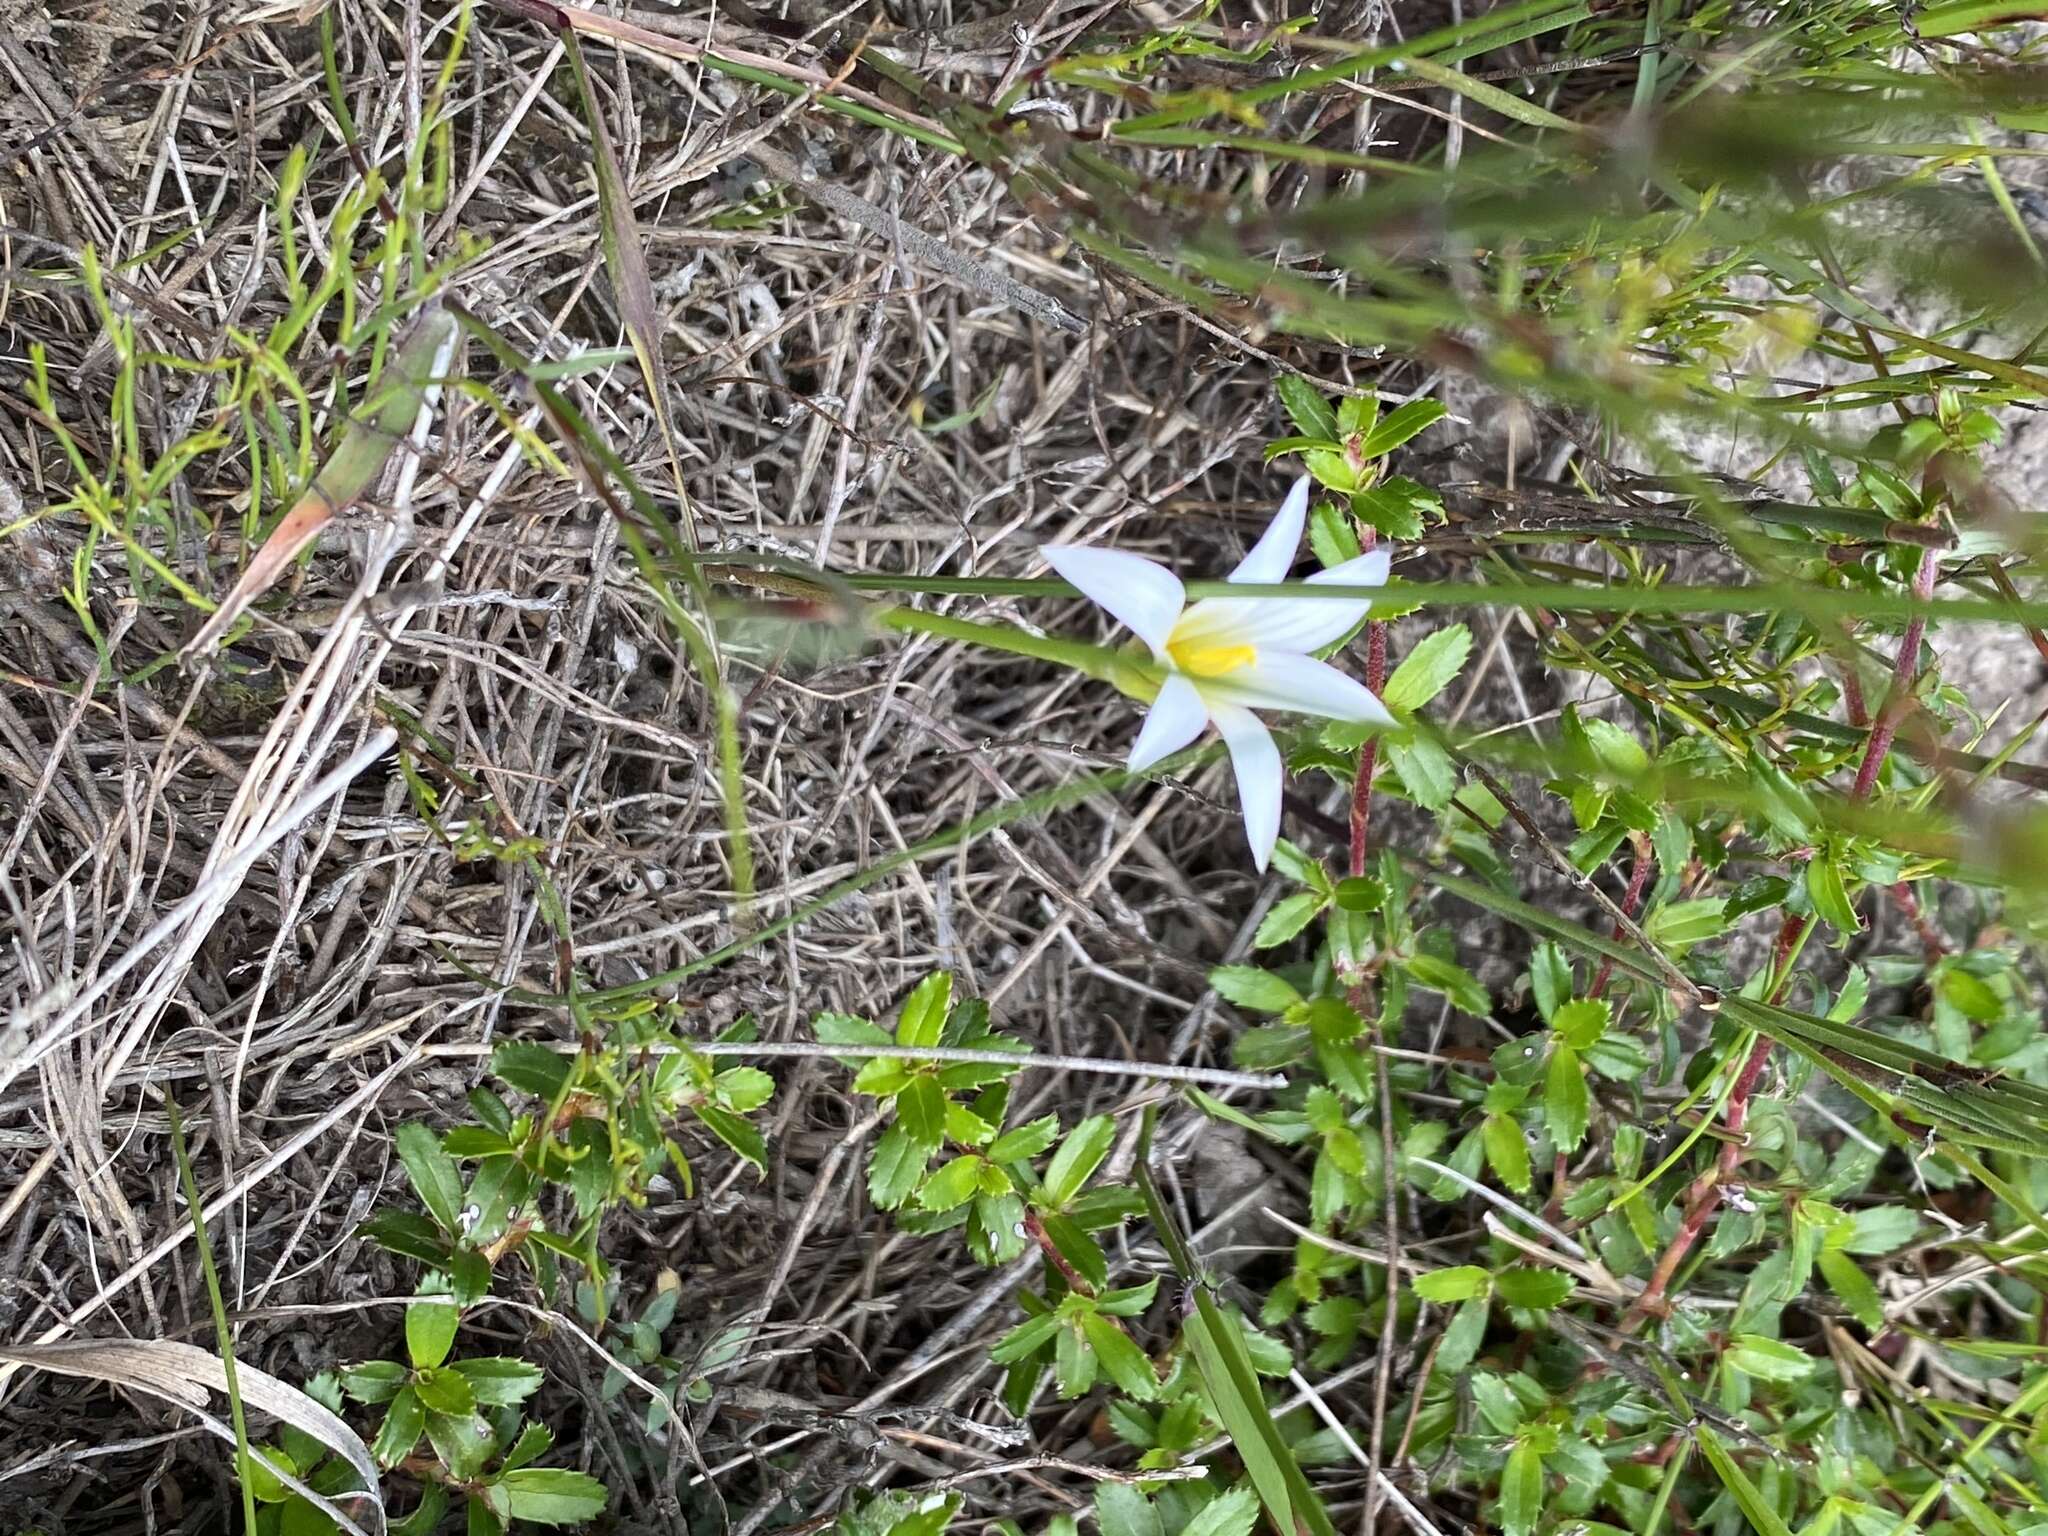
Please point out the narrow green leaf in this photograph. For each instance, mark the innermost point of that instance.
(404, 1421)
(1287, 918)
(921, 1111)
(1078, 1157)
(1452, 980)
(1024, 1339)
(1398, 426)
(1443, 1286)
(897, 1167)
(1829, 894)
(1761, 1514)
(1852, 1287)
(435, 1178)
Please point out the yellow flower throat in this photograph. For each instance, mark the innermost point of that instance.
(1206, 658)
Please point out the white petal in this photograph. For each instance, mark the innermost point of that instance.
(1366, 571)
(1301, 685)
(1177, 718)
(1257, 764)
(1273, 556)
(1145, 596)
(1307, 623)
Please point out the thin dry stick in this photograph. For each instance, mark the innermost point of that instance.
(224, 877)
(1381, 1483)
(181, 1233)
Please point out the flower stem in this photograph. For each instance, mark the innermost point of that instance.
(1369, 753)
(1097, 661)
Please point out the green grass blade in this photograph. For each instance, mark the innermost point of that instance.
(244, 1475)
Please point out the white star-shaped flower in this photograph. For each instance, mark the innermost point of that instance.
(1227, 656)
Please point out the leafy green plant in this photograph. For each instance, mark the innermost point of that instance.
(598, 1135)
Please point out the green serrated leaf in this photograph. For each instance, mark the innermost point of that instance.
(404, 1421)
(1567, 1103)
(1398, 426)
(897, 1167)
(1248, 986)
(1119, 1359)
(1582, 1021)
(1427, 773)
(548, 1496)
(1852, 1287)
(1288, 917)
(952, 1185)
(1025, 1141)
(435, 1178)
(530, 1068)
(1428, 669)
(1122, 1510)
(1332, 537)
(1228, 1514)
(921, 1111)
(1306, 407)
(1444, 1286)
(499, 1381)
(1537, 1289)
(1507, 1151)
(924, 1012)
(741, 1135)
(430, 1332)
(444, 1391)
(1521, 1490)
(1452, 980)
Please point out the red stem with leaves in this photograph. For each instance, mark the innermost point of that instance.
(1705, 1196)
(1369, 754)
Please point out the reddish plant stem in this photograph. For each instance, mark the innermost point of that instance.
(1852, 698)
(1631, 903)
(1931, 942)
(1369, 754)
(1704, 1198)
(1904, 670)
(1036, 1228)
